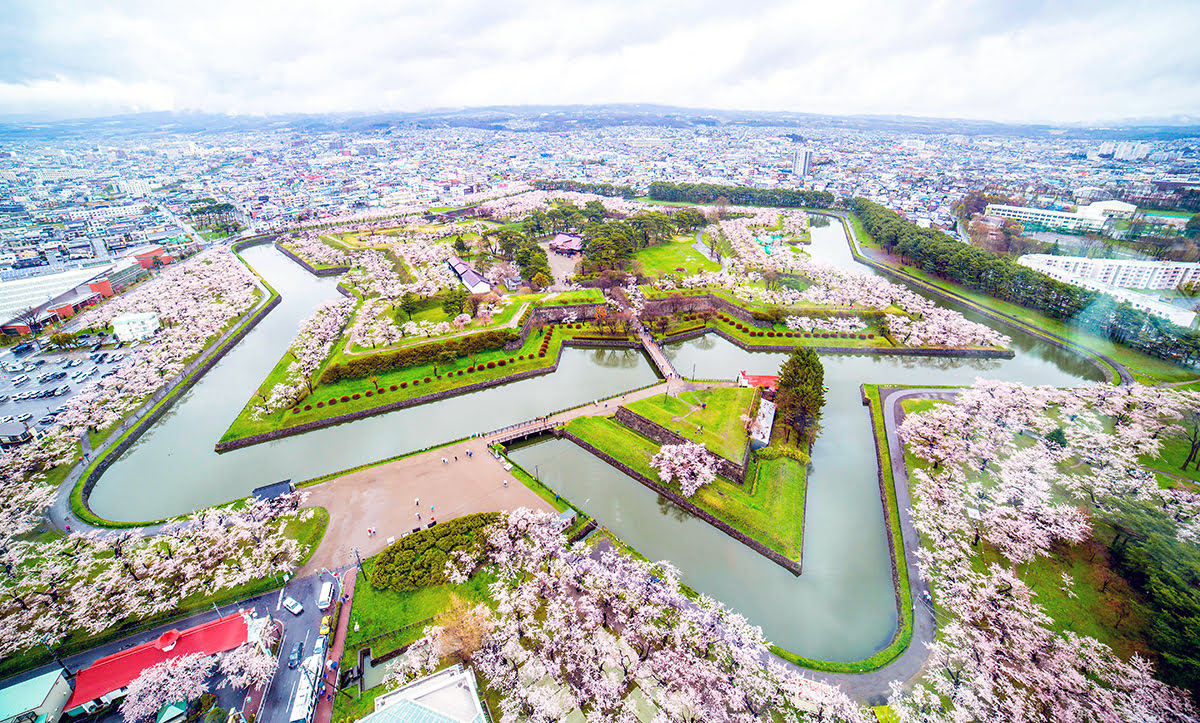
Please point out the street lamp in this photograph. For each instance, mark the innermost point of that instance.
(61, 664)
(359, 559)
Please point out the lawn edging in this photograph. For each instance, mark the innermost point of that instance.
(793, 566)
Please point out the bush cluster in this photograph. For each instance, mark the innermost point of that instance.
(419, 560)
(365, 366)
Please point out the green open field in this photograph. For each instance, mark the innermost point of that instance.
(578, 296)
(712, 417)
(672, 256)
(769, 508)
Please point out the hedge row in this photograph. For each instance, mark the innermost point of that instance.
(364, 366)
(419, 559)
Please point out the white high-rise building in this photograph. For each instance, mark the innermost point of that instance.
(802, 162)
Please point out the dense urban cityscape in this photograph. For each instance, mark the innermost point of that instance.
(332, 401)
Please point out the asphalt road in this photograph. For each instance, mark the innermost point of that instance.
(302, 629)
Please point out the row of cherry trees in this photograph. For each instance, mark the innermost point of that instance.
(1019, 468)
(309, 349)
(576, 629)
(92, 581)
(194, 300)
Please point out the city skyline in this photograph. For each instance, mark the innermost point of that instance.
(990, 61)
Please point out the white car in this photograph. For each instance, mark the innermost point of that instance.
(292, 605)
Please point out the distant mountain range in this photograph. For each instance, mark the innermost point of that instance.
(572, 117)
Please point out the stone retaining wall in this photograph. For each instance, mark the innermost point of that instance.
(392, 406)
(551, 314)
(792, 566)
(700, 302)
(171, 396)
(652, 430)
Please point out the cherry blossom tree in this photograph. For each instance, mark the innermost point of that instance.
(181, 679)
(577, 630)
(688, 464)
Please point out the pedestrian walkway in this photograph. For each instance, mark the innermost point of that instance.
(657, 355)
(324, 711)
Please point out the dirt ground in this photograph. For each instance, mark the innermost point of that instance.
(383, 497)
(563, 267)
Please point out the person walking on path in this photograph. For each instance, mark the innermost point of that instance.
(417, 501)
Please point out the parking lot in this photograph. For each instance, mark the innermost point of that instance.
(33, 386)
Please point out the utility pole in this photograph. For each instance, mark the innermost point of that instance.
(61, 664)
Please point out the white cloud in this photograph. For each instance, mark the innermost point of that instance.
(998, 59)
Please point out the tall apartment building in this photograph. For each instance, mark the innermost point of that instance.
(802, 162)
(1122, 273)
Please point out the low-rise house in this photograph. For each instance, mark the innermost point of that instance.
(470, 278)
(37, 700)
(135, 326)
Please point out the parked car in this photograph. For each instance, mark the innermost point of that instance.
(64, 389)
(24, 417)
(326, 622)
(292, 605)
(96, 347)
(3, 398)
(19, 380)
(320, 648)
(294, 658)
(46, 421)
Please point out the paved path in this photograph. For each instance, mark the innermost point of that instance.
(384, 496)
(657, 355)
(875, 687)
(337, 646)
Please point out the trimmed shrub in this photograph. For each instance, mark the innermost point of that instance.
(521, 358)
(870, 336)
(427, 380)
(862, 336)
(416, 382)
(380, 390)
(512, 361)
(365, 366)
(368, 393)
(332, 401)
(402, 385)
(393, 387)
(500, 363)
(320, 404)
(295, 410)
(419, 560)
(790, 334)
(307, 407)
(541, 354)
(470, 369)
(491, 365)
(770, 333)
(345, 398)
(356, 395)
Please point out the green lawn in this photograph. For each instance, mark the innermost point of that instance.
(672, 256)
(769, 508)
(712, 417)
(579, 296)
(387, 619)
(1174, 450)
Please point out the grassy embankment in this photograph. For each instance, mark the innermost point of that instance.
(769, 507)
(307, 532)
(1098, 597)
(1145, 368)
(411, 382)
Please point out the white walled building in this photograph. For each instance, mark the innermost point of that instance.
(135, 326)
(1049, 219)
(1117, 278)
(1122, 273)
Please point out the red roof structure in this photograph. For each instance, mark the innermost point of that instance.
(120, 669)
(566, 243)
(763, 381)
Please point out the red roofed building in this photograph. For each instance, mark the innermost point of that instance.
(762, 381)
(106, 679)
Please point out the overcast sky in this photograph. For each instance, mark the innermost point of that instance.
(1007, 60)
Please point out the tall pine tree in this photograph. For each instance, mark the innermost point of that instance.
(801, 391)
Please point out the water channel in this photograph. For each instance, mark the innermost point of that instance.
(841, 608)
